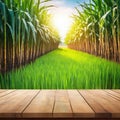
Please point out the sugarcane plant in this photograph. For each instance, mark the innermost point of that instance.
(24, 35)
(96, 29)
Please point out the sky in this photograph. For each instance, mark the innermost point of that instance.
(62, 13)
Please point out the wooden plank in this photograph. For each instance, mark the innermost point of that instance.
(5, 92)
(80, 108)
(61, 96)
(114, 94)
(41, 106)
(13, 104)
(118, 91)
(102, 103)
(62, 106)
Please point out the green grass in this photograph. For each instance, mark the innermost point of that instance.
(65, 69)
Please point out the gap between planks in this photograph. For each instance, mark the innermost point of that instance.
(63, 103)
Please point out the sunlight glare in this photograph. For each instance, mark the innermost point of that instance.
(62, 21)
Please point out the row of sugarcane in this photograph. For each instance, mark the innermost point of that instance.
(96, 29)
(25, 32)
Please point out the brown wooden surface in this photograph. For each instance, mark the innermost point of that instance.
(5, 92)
(77, 104)
(42, 105)
(62, 106)
(102, 103)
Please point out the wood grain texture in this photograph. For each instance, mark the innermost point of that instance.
(62, 106)
(42, 105)
(114, 94)
(118, 91)
(53, 104)
(13, 104)
(102, 103)
(79, 106)
(5, 92)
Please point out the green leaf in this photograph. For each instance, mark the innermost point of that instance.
(33, 30)
(27, 15)
(1, 26)
(103, 18)
(3, 11)
(11, 30)
(25, 25)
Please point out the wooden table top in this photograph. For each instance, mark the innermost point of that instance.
(60, 104)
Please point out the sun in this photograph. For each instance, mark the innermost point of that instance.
(62, 22)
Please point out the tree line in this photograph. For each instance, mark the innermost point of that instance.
(96, 29)
(25, 32)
